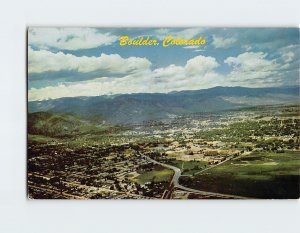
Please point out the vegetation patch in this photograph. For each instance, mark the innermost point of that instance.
(189, 167)
(265, 175)
(159, 174)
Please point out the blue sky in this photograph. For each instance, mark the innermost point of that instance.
(69, 62)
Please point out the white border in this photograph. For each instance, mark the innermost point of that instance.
(17, 214)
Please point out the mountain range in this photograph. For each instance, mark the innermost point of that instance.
(132, 108)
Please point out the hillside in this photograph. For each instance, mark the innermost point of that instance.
(60, 125)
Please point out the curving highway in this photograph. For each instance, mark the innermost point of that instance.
(175, 182)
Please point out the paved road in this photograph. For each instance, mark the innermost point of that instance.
(229, 158)
(177, 174)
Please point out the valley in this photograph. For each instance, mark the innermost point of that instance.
(245, 152)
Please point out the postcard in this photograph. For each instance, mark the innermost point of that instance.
(163, 113)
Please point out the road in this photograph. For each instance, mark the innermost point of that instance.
(229, 158)
(177, 174)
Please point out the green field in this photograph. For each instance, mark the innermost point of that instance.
(189, 167)
(260, 175)
(159, 174)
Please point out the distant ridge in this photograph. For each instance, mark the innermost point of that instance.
(128, 108)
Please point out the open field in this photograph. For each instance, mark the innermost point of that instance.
(158, 174)
(189, 167)
(258, 175)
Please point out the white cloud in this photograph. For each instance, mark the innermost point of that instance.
(191, 47)
(199, 50)
(219, 42)
(125, 85)
(188, 33)
(198, 73)
(99, 86)
(68, 38)
(42, 61)
(251, 61)
(197, 66)
(252, 70)
(169, 71)
(247, 47)
(200, 65)
(289, 56)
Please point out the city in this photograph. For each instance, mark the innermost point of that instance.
(174, 158)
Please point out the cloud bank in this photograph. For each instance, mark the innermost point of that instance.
(71, 62)
(42, 60)
(69, 38)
